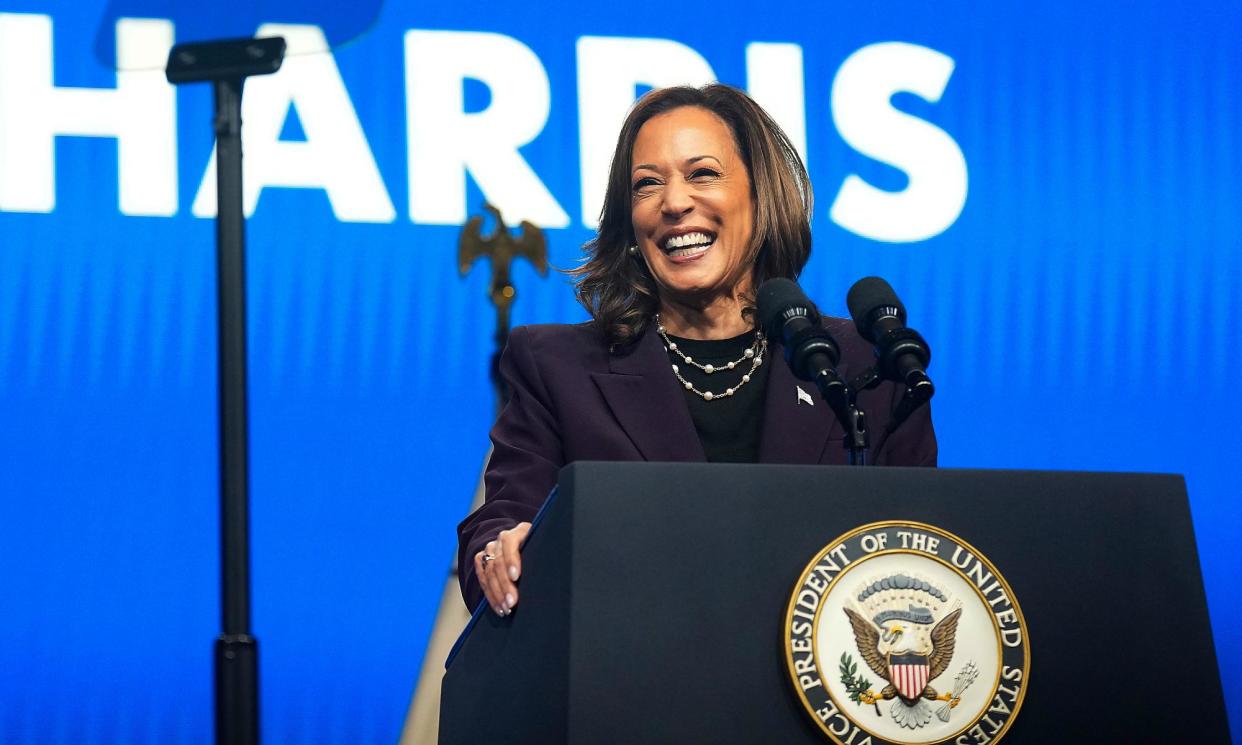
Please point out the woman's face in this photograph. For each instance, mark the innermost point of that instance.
(691, 205)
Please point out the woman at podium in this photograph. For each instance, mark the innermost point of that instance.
(706, 200)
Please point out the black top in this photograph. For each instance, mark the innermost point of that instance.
(728, 426)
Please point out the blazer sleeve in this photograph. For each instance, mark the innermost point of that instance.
(526, 457)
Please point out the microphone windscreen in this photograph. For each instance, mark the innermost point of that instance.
(776, 296)
(868, 295)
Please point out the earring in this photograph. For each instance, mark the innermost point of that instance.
(633, 250)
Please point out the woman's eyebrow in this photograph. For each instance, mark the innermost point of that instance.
(688, 161)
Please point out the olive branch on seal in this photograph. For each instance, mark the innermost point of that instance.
(855, 685)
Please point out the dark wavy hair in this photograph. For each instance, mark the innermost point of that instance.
(617, 289)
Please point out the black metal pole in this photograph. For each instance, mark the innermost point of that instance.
(226, 64)
(236, 652)
(856, 436)
(842, 399)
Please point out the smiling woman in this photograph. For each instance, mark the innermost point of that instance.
(695, 158)
(706, 200)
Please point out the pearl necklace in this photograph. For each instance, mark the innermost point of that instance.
(754, 353)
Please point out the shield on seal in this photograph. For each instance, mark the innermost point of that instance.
(908, 672)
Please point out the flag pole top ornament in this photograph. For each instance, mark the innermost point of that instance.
(501, 247)
(900, 633)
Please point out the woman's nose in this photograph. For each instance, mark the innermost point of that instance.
(677, 200)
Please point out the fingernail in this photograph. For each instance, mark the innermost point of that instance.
(509, 601)
(513, 573)
(500, 612)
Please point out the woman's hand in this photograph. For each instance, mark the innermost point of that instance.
(498, 567)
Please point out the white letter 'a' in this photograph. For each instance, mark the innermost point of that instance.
(866, 119)
(609, 69)
(335, 156)
(445, 142)
(141, 113)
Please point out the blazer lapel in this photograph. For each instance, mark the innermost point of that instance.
(648, 402)
(797, 424)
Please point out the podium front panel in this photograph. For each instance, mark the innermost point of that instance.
(654, 595)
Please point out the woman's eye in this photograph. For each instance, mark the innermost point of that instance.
(643, 183)
(704, 172)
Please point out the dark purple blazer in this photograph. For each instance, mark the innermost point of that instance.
(571, 399)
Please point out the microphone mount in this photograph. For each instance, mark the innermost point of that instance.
(902, 355)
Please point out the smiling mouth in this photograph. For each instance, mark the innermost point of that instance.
(687, 245)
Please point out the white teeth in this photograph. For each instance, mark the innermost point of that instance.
(690, 250)
(689, 239)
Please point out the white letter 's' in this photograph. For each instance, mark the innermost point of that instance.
(866, 119)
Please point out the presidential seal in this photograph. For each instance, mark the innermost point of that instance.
(899, 632)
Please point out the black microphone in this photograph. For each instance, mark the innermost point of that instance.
(786, 314)
(901, 352)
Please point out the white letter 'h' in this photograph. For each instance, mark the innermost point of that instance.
(141, 113)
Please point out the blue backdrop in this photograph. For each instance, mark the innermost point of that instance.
(1082, 303)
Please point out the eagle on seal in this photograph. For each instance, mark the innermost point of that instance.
(908, 660)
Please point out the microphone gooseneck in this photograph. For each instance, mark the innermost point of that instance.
(902, 355)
